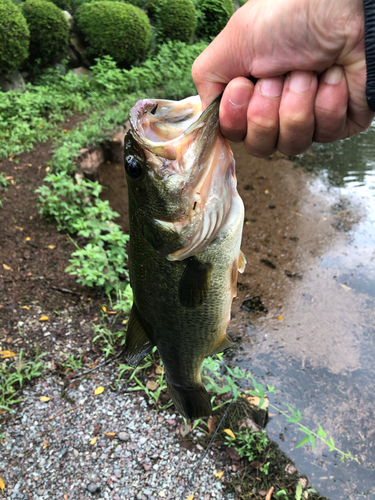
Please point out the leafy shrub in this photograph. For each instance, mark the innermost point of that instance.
(114, 28)
(49, 30)
(14, 37)
(213, 16)
(62, 4)
(174, 19)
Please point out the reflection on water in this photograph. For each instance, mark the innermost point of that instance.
(321, 356)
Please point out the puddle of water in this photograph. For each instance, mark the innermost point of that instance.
(320, 356)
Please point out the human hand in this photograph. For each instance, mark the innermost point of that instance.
(309, 59)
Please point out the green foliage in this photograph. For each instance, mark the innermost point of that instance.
(108, 341)
(242, 2)
(114, 28)
(174, 19)
(14, 37)
(213, 15)
(33, 116)
(13, 377)
(62, 4)
(250, 444)
(49, 30)
(4, 183)
(72, 362)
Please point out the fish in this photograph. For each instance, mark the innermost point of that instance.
(185, 226)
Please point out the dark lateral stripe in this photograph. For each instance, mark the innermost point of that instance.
(369, 9)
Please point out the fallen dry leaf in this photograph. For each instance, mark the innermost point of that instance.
(93, 440)
(211, 424)
(185, 429)
(7, 268)
(51, 246)
(98, 390)
(280, 318)
(28, 238)
(254, 401)
(7, 354)
(269, 494)
(229, 432)
(234, 455)
(159, 370)
(20, 228)
(110, 435)
(219, 474)
(262, 493)
(44, 399)
(46, 444)
(152, 385)
(25, 307)
(44, 318)
(104, 309)
(192, 495)
(2, 484)
(65, 497)
(94, 363)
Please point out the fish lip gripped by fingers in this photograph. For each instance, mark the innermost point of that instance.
(191, 145)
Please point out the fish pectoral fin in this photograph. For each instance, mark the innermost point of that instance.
(194, 283)
(226, 343)
(137, 343)
(241, 262)
(191, 402)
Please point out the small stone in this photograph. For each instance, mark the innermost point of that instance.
(161, 494)
(155, 467)
(93, 487)
(13, 82)
(118, 472)
(75, 452)
(123, 436)
(40, 492)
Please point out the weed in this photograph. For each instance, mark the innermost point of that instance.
(13, 377)
(72, 363)
(107, 340)
(4, 182)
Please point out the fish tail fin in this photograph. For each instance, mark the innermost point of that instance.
(191, 402)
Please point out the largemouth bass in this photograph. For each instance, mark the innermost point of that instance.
(186, 219)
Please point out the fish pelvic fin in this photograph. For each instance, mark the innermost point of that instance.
(195, 283)
(137, 343)
(191, 402)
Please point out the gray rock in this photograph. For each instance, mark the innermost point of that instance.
(82, 71)
(93, 487)
(74, 59)
(13, 82)
(69, 18)
(75, 42)
(40, 492)
(61, 68)
(123, 436)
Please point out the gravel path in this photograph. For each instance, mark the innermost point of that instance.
(49, 452)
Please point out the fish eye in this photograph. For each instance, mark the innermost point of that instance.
(132, 167)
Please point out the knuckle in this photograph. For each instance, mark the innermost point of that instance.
(263, 123)
(297, 121)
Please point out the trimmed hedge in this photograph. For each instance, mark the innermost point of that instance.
(174, 19)
(14, 37)
(49, 30)
(62, 4)
(118, 29)
(214, 15)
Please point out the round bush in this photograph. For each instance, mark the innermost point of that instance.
(118, 29)
(14, 37)
(49, 30)
(62, 4)
(174, 19)
(214, 15)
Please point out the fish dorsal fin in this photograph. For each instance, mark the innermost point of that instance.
(138, 343)
(194, 283)
(224, 344)
(241, 262)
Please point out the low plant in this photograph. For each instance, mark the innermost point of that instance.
(72, 362)
(213, 15)
(4, 182)
(173, 19)
(13, 376)
(107, 340)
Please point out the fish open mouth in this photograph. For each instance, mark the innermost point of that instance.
(192, 144)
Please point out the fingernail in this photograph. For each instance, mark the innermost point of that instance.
(271, 87)
(300, 81)
(334, 75)
(240, 94)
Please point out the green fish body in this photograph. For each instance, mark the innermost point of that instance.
(185, 220)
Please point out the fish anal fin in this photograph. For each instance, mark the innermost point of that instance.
(241, 262)
(137, 343)
(191, 402)
(224, 343)
(194, 283)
